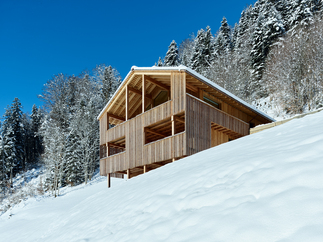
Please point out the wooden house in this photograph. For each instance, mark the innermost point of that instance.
(161, 114)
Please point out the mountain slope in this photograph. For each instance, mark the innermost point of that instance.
(264, 187)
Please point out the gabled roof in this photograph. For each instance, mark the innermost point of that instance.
(192, 73)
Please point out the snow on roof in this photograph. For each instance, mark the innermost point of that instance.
(197, 75)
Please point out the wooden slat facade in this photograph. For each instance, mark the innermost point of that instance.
(182, 125)
(199, 119)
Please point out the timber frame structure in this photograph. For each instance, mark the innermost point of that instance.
(161, 114)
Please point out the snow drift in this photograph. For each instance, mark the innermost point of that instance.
(264, 187)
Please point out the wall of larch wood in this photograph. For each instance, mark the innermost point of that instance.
(103, 129)
(165, 149)
(115, 132)
(178, 91)
(225, 107)
(199, 117)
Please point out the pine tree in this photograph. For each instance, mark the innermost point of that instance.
(73, 167)
(185, 50)
(269, 28)
(110, 83)
(223, 40)
(27, 140)
(10, 153)
(36, 139)
(3, 175)
(171, 58)
(12, 130)
(301, 13)
(160, 62)
(234, 35)
(202, 52)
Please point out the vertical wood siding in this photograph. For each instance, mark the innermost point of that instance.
(178, 92)
(115, 163)
(115, 132)
(199, 116)
(225, 107)
(103, 167)
(103, 129)
(164, 149)
(158, 113)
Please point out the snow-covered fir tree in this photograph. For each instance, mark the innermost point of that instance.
(223, 39)
(12, 130)
(160, 62)
(11, 161)
(110, 82)
(185, 50)
(71, 129)
(3, 173)
(36, 138)
(171, 58)
(73, 167)
(203, 50)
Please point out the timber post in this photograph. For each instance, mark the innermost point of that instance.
(109, 179)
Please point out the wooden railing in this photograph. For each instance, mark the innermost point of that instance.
(149, 117)
(165, 149)
(116, 163)
(160, 150)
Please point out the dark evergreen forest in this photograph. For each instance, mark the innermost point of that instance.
(271, 58)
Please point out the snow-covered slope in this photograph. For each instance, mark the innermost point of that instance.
(264, 187)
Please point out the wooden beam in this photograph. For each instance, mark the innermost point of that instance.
(109, 179)
(157, 83)
(108, 149)
(179, 119)
(201, 94)
(128, 174)
(145, 168)
(108, 121)
(116, 117)
(127, 103)
(143, 94)
(117, 146)
(131, 89)
(192, 88)
(173, 125)
(154, 132)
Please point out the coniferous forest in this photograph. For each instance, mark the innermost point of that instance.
(271, 59)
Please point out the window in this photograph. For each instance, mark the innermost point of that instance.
(211, 102)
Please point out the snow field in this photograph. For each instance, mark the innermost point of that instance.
(264, 187)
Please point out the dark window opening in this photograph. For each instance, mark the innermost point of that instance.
(211, 102)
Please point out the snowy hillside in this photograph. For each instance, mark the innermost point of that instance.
(264, 187)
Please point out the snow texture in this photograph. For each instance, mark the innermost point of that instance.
(194, 73)
(264, 187)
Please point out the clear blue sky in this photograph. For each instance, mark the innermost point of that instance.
(41, 38)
